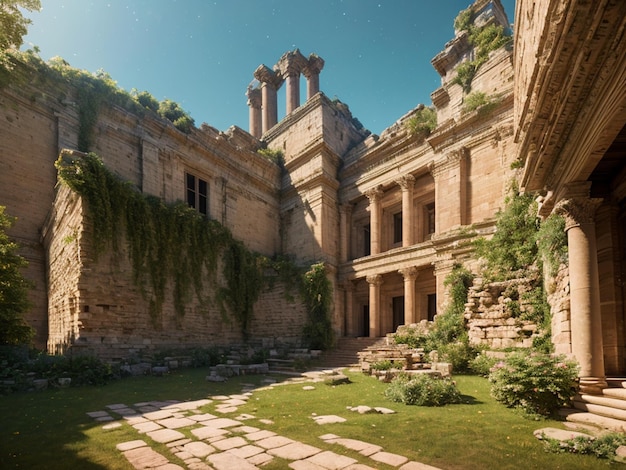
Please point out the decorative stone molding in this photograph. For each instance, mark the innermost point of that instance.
(411, 273)
(451, 159)
(406, 182)
(291, 63)
(577, 211)
(268, 76)
(374, 279)
(374, 194)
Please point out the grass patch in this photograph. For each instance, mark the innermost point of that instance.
(52, 427)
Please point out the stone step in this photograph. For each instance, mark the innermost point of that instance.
(602, 400)
(601, 410)
(616, 382)
(617, 393)
(602, 422)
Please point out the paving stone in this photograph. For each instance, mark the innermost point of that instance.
(258, 435)
(169, 466)
(117, 406)
(165, 435)
(199, 449)
(220, 397)
(305, 465)
(331, 460)
(183, 455)
(364, 448)
(359, 466)
(246, 429)
(235, 402)
(207, 432)
(226, 409)
(104, 419)
(417, 466)
(294, 451)
(226, 461)
(115, 425)
(156, 415)
(559, 434)
(244, 417)
(388, 458)
(129, 445)
(176, 423)
(98, 414)
(246, 451)
(273, 442)
(145, 457)
(132, 420)
(384, 411)
(179, 443)
(126, 412)
(308, 387)
(189, 405)
(198, 466)
(202, 417)
(221, 423)
(329, 419)
(148, 426)
(230, 443)
(326, 437)
(266, 421)
(260, 459)
(362, 409)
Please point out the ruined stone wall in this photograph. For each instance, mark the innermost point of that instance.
(96, 307)
(559, 300)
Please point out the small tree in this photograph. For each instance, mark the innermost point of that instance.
(12, 22)
(13, 289)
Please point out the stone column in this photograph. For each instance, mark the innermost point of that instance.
(290, 66)
(255, 103)
(410, 313)
(586, 319)
(270, 83)
(374, 195)
(407, 184)
(345, 212)
(375, 314)
(312, 74)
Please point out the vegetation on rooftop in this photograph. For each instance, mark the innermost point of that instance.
(423, 122)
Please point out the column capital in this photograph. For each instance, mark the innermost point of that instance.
(254, 96)
(268, 77)
(374, 194)
(577, 211)
(291, 63)
(450, 160)
(406, 182)
(314, 66)
(410, 274)
(374, 279)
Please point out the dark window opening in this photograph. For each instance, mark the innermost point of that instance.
(367, 241)
(397, 227)
(197, 194)
(432, 306)
(430, 218)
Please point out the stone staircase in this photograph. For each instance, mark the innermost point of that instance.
(607, 411)
(346, 352)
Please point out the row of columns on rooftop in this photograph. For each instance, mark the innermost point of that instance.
(262, 97)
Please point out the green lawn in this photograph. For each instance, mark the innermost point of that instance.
(51, 430)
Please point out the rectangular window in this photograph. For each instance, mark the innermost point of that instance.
(367, 241)
(397, 228)
(197, 193)
(432, 306)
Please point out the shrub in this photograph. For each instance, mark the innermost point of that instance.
(422, 390)
(423, 122)
(603, 447)
(537, 384)
(482, 364)
(385, 364)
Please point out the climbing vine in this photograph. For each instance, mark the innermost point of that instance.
(171, 244)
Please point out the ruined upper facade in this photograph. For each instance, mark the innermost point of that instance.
(388, 214)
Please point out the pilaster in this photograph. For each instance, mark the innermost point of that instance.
(375, 281)
(407, 184)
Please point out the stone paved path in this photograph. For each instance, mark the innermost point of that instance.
(220, 443)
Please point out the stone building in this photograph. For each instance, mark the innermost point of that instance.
(388, 214)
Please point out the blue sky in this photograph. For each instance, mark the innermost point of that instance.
(202, 53)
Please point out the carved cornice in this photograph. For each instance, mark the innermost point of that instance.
(577, 211)
(254, 97)
(374, 194)
(314, 66)
(374, 279)
(406, 182)
(451, 160)
(410, 273)
(268, 76)
(291, 63)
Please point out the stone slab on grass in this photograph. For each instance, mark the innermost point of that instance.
(145, 457)
(207, 432)
(417, 466)
(258, 435)
(328, 419)
(221, 423)
(305, 465)
(176, 423)
(364, 448)
(260, 459)
(331, 460)
(246, 451)
(202, 417)
(148, 426)
(129, 445)
(294, 451)
(559, 434)
(388, 458)
(273, 442)
(227, 461)
(199, 449)
(230, 443)
(156, 415)
(164, 436)
(359, 466)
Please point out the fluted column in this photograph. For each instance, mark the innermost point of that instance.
(270, 83)
(374, 195)
(407, 183)
(586, 319)
(345, 212)
(312, 74)
(410, 313)
(255, 103)
(375, 282)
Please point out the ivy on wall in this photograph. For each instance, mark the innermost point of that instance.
(173, 245)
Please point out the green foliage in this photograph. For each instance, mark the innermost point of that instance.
(537, 384)
(513, 246)
(172, 111)
(423, 122)
(485, 39)
(13, 25)
(482, 364)
(145, 99)
(602, 447)
(422, 390)
(275, 156)
(385, 364)
(13, 289)
(552, 243)
(478, 100)
(316, 293)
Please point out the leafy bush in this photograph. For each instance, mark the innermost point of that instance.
(385, 364)
(603, 447)
(423, 122)
(482, 364)
(422, 390)
(537, 384)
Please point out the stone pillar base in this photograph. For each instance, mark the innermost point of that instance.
(592, 385)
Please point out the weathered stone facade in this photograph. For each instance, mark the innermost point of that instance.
(389, 215)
